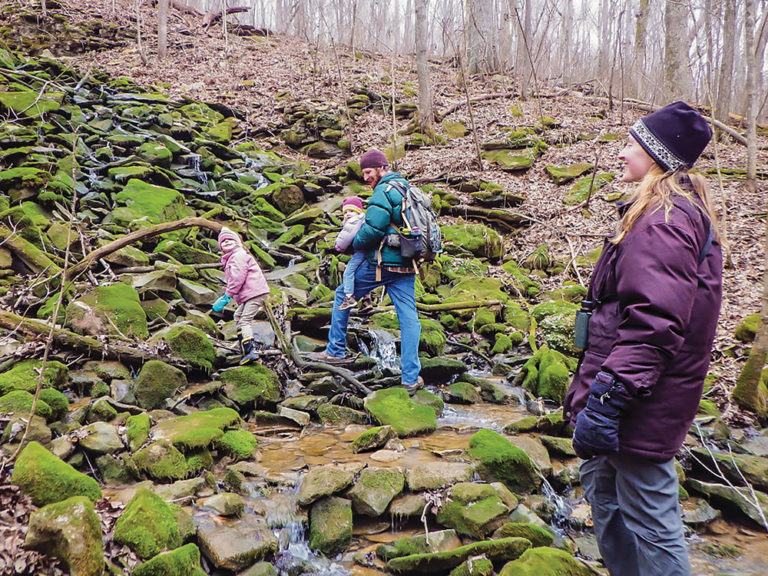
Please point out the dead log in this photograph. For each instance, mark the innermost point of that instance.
(92, 347)
(32, 257)
(213, 17)
(138, 235)
(504, 219)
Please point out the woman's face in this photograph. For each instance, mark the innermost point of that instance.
(636, 160)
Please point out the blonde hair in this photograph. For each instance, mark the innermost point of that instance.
(655, 192)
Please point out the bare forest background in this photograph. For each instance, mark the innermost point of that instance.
(707, 51)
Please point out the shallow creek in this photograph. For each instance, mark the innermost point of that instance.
(284, 456)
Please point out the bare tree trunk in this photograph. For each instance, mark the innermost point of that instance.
(481, 37)
(604, 49)
(162, 29)
(725, 79)
(751, 89)
(44, 8)
(675, 50)
(421, 39)
(566, 37)
(523, 61)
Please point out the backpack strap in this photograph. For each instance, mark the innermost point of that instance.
(707, 245)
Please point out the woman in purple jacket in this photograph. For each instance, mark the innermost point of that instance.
(654, 300)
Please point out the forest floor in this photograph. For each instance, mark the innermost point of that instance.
(259, 76)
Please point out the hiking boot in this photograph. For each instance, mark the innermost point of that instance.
(349, 302)
(415, 387)
(326, 358)
(250, 352)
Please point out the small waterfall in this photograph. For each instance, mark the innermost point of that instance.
(194, 162)
(562, 512)
(384, 350)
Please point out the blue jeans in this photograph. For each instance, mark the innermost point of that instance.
(636, 515)
(349, 272)
(401, 289)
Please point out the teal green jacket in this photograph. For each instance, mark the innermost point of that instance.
(383, 211)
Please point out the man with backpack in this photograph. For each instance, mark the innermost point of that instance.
(380, 236)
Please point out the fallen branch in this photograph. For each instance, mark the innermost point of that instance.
(213, 17)
(441, 116)
(32, 257)
(85, 344)
(148, 232)
(509, 221)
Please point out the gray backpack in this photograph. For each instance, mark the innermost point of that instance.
(417, 213)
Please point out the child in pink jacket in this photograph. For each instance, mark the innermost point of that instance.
(246, 285)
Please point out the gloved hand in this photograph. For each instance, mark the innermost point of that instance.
(597, 426)
(222, 301)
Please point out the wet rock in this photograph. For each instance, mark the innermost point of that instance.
(524, 515)
(330, 525)
(434, 475)
(534, 448)
(407, 506)
(500, 460)
(236, 544)
(301, 418)
(197, 431)
(69, 530)
(394, 407)
(474, 510)
(47, 479)
(161, 461)
(546, 561)
(325, 481)
(180, 490)
(183, 561)
(253, 385)
(260, 569)
(147, 525)
(441, 369)
(537, 535)
(439, 541)
(305, 403)
(372, 438)
(462, 393)
(334, 415)
(558, 446)
(111, 310)
(498, 551)
(156, 382)
(101, 438)
(225, 504)
(734, 466)
(740, 498)
(698, 513)
(426, 398)
(374, 490)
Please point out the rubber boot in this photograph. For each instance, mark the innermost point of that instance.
(240, 342)
(250, 352)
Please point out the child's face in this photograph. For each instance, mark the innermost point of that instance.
(228, 244)
(348, 214)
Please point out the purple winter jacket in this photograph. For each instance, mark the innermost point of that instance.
(654, 327)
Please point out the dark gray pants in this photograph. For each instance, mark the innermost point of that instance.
(636, 515)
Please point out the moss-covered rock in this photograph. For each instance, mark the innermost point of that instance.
(463, 393)
(183, 561)
(497, 551)
(19, 402)
(197, 431)
(564, 174)
(479, 566)
(372, 438)
(537, 535)
(393, 407)
(189, 343)
(25, 374)
(510, 160)
(587, 187)
(69, 530)
(156, 382)
(239, 444)
(477, 517)
(476, 239)
(748, 327)
(546, 374)
(433, 338)
(499, 460)
(147, 525)
(333, 414)
(439, 541)
(324, 481)
(330, 525)
(252, 385)
(47, 479)
(161, 461)
(149, 203)
(113, 310)
(374, 490)
(538, 561)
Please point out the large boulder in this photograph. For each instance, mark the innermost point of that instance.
(147, 525)
(475, 239)
(183, 561)
(197, 431)
(394, 407)
(538, 561)
(474, 510)
(25, 374)
(156, 382)
(237, 544)
(434, 475)
(499, 460)
(47, 479)
(113, 310)
(189, 343)
(330, 525)
(324, 481)
(375, 489)
(71, 531)
(250, 386)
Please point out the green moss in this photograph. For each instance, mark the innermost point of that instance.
(473, 519)
(148, 525)
(198, 461)
(330, 525)
(137, 430)
(498, 551)
(253, 384)
(117, 307)
(553, 308)
(500, 460)
(537, 535)
(24, 376)
(184, 561)
(404, 547)
(477, 239)
(191, 344)
(156, 382)
(161, 460)
(538, 561)
(19, 402)
(475, 567)
(564, 174)
(239, 444)
(433, 338)
(581, 189)
(333, 414)
(31, 103)
(372, 438)
(395, 408)
(47, 479)
(747, 328)
(153, 203)
(155, 153)
(56, 400)
(198, 430)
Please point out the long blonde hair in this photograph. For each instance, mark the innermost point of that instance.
(655, 192)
